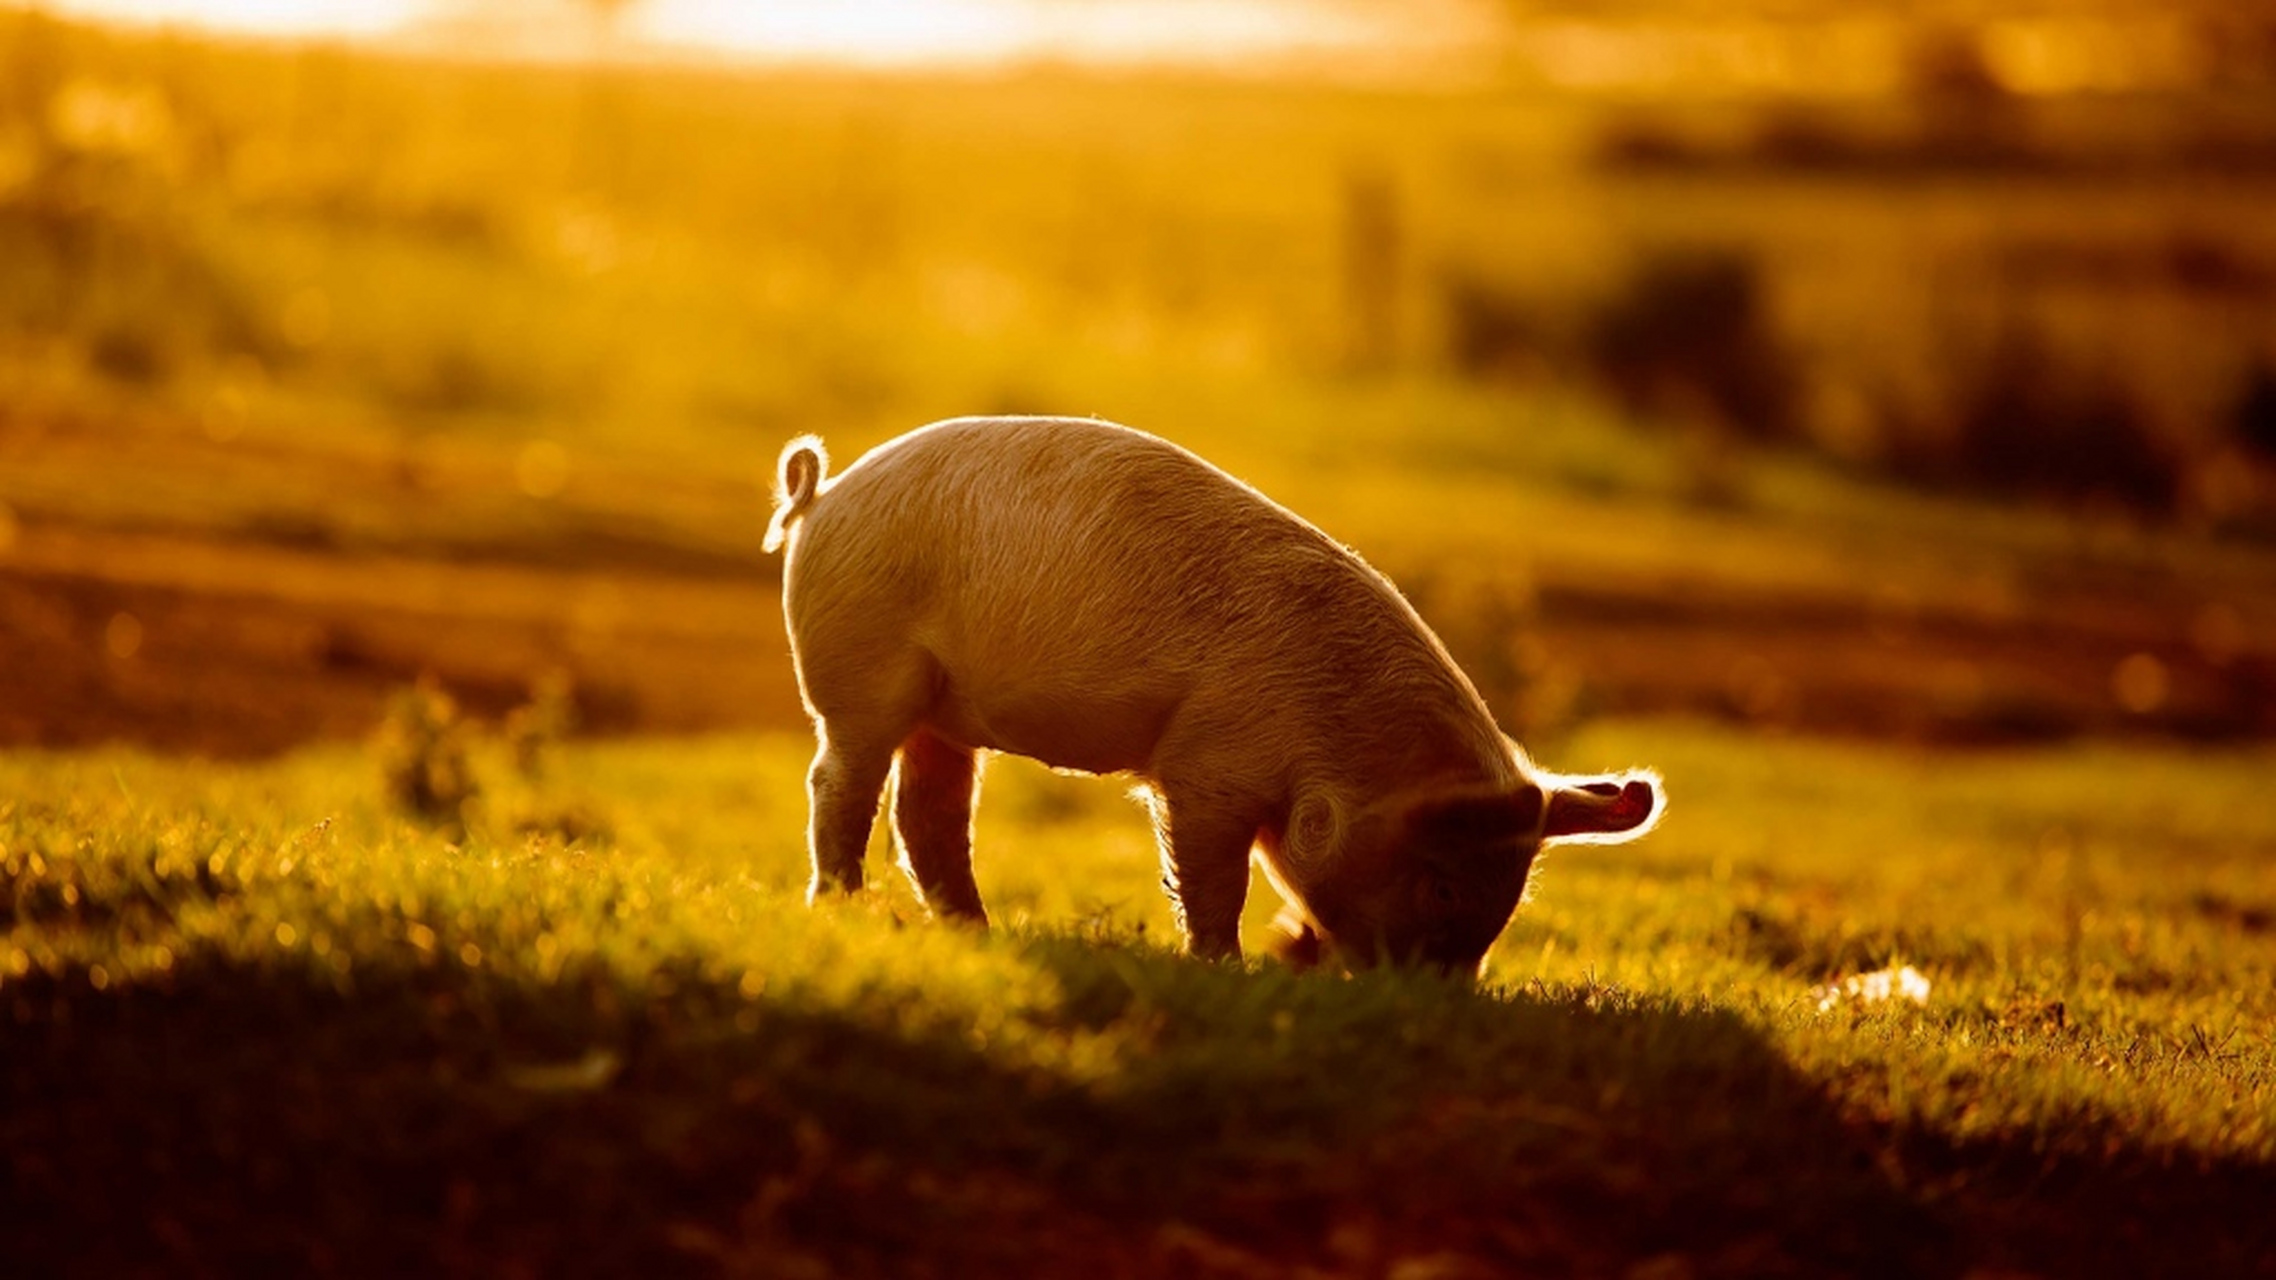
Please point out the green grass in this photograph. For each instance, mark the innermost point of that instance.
(254, 1017)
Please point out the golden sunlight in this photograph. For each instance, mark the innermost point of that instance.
(890, 31)
(876, 32)
(252, 17)
(885, 31)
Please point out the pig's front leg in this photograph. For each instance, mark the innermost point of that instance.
(1205, 867)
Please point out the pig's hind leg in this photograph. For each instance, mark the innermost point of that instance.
(865, 700)
(935, 785)
(842, 789)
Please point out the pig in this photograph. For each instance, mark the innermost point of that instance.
(1104, 601)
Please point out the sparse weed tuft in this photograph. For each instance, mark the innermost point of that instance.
(535, 730)
(470, 779)
(423, 758)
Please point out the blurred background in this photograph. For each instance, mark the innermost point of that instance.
(1890, 369)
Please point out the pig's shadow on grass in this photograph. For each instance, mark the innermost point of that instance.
(1581, 1134)
(259, 1116)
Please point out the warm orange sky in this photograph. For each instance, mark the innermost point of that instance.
(886, 31)
(268, 17)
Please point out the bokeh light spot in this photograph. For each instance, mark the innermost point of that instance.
(307, 319)
(542, 469)
(2217, 631)
(2140, 683)
(122, 635)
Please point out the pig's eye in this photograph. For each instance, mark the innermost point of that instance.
(1437, 893)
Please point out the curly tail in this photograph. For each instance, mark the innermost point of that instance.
(798, 477)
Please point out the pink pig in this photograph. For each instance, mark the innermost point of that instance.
(1105, 601)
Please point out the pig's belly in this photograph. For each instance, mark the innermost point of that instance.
(1067, 728)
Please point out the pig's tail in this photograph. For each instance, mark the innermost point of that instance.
(798, 477)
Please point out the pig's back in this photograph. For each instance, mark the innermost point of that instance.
(1017, 520)
(1072, 576)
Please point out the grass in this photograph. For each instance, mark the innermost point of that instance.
(253, 1017)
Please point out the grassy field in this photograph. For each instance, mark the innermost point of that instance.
(254, 1018)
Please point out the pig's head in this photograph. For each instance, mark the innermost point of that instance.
(1432, 879)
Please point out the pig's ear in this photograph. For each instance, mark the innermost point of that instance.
(1603, 810)
(1486, 817)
